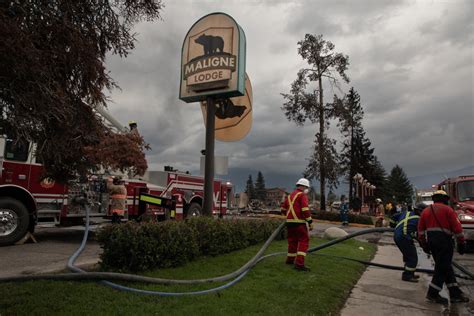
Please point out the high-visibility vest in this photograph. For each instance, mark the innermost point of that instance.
(295, 211)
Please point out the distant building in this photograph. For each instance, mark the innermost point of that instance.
(274, 197)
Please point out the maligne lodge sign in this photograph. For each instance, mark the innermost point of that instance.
(213, 59)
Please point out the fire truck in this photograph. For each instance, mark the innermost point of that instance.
(26, 198)
(461, 192)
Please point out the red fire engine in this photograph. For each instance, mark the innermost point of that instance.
(461, 191)
(25, 199)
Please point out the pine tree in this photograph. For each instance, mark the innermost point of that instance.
(249, 188)
(399, 187)
(260, 190)
(357, 153)
(304, 104)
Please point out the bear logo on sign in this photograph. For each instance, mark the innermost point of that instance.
(211, 44)
(226, 109)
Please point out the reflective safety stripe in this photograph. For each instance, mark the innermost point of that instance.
(434, 286)
(439, 229)
(150, 199)
(301, 253)
(452, 285)
(119, 196)
(308, 218)
(410, 269)
(118, 212)
(295, 221)
(291, 209)
(405, 220)
(305, 209)
(291, 254)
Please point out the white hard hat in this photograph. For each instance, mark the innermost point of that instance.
(304, 182)
(378, 200)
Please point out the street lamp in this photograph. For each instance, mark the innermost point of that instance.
(363, 186)
(358, 179)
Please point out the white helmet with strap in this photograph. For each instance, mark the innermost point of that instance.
(303, 182)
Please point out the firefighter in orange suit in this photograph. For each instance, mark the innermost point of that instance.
(379, 213)
(298, 221)
(118, 198)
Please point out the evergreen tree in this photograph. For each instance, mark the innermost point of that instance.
(357, 153)
(399, 187)
(304, 104)
(260, 190)
(249, 188)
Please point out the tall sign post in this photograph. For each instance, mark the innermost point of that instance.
(212, 69)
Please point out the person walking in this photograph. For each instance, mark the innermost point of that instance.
(344, 211)
(437, 226)
(298, 222)
(406, 229)
(379, 213)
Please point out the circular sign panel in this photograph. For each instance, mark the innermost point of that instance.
(233, 115)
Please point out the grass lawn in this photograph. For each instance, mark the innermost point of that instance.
(271, 288)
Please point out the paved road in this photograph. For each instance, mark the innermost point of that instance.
(50, 254)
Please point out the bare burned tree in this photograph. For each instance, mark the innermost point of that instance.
(305, 104)
(53, 75)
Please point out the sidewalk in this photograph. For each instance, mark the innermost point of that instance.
(382, 292)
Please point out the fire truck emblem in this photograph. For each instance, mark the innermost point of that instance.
(47, 183)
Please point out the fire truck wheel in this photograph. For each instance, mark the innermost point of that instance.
(14, 221)
(194, 210)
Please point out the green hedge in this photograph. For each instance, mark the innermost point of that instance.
(336, 217)
(143, 246)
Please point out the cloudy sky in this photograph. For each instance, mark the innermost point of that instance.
(410, 61)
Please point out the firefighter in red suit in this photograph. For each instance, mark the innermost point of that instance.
(298, 221)
(437, 226)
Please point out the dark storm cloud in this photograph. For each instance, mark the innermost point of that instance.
(411, 62)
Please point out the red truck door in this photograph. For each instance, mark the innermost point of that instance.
(16, 169)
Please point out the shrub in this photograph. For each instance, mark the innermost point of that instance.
(336, 217)
(143, 246)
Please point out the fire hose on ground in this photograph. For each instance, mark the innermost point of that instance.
(106, 277)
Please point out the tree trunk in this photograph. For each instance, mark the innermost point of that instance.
(351, 167)
(322, 174)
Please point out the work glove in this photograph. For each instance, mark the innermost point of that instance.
(461, 248)
(425, 247)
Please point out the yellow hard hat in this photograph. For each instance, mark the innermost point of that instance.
(131, 122)
(440, 192)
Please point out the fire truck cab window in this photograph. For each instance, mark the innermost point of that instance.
(466, 190)
(16, 151)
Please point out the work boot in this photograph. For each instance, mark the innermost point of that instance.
(460, 298)
(302, 268)
(438, 299)
(290, 260)
(416, 276)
